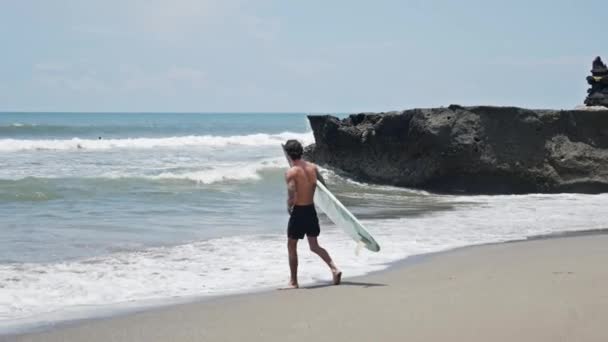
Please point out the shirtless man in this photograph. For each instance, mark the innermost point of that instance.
(301, 181)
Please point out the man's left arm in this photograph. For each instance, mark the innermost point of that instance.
(319, 176)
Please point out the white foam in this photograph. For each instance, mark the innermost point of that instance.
(261, 139)
(242, 263)
(332, 176)
(212, 176)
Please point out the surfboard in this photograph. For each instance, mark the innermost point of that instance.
(342, 217)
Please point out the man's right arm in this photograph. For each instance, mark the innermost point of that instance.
(291, 191)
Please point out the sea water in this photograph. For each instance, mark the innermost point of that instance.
(102, 209)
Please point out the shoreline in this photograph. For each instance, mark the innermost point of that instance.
(74, 316)
(426, 260)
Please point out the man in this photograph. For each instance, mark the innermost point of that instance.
(301, 181)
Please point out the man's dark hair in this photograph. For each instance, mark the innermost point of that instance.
(294, 149)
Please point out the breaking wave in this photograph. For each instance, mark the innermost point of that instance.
(212, 141)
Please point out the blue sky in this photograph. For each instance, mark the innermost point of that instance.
(303, 56)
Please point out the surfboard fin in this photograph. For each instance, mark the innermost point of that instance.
(360, 245)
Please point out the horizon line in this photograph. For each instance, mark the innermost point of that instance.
(163, 112)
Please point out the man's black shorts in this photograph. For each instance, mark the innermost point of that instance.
(303, 221)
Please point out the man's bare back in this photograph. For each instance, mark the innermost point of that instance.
(302, 176)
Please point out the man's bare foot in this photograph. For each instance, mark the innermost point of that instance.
(291, 286)
(337, 277)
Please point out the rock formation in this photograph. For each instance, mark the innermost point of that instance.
(469, 149)
(598, 93)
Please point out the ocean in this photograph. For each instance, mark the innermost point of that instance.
(100, 211)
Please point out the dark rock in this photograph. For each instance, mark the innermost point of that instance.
(598, 93)
(469, 149)
(598, 68)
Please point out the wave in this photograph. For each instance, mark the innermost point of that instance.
(260, 139)
(217, 174)
(47, 188)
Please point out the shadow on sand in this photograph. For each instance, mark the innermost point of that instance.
(343, 283)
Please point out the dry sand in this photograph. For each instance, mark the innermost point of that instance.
(540, 290)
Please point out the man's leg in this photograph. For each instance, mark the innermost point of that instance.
(292, 249)
(320, 251)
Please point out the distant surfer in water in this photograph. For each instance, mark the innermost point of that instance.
(301, 179)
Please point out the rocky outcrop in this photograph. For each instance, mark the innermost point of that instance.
(458, 149)
(598, 93)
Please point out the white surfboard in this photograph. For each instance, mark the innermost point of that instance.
(339, 215)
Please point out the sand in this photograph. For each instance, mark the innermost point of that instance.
(539, 290)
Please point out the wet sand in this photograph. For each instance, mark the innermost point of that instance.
(538, 290)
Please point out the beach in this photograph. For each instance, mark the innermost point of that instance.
(168, 208)
(536, 290)
(149, 152)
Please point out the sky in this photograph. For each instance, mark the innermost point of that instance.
(295, 56)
